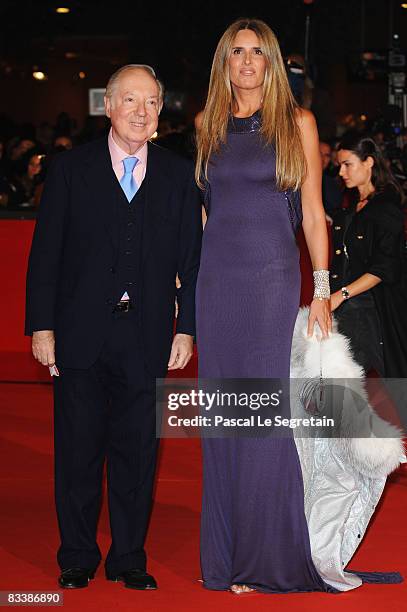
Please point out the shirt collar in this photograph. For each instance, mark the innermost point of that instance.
(117, 154)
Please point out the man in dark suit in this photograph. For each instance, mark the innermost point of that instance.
(119, 218)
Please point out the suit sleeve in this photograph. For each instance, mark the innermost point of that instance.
(386, 259)
(46, 250)
(189, 250)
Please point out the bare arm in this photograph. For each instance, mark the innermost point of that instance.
(314, 222)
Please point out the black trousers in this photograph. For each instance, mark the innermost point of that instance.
(106, 412)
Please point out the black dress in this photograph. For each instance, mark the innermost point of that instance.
(373, 240)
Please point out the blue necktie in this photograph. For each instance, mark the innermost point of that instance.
(127, 182)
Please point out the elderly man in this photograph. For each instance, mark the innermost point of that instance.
(119, 218)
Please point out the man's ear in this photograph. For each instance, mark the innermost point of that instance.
(107, 106)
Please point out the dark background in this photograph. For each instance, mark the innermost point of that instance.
(178, 39)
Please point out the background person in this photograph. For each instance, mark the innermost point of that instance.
(26, 179)
(368, 271)
(331, 191)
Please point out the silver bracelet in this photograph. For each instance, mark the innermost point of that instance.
(321, 285)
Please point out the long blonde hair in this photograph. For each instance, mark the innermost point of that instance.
(279, 108)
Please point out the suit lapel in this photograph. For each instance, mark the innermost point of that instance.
(103, 185)
(104, 188)
(158, 191)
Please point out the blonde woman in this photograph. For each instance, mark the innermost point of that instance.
(257, 150)
(257, 154)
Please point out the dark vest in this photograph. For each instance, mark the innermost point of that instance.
(128, 263)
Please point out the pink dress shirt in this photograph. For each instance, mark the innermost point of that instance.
(117, 155)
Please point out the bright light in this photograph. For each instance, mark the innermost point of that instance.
(63, 10)
(39, 75)
(363, 117)
(82, 75)
(404, 5)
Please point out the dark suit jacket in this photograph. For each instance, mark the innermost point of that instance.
(75, 247)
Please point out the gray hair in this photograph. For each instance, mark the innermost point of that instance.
(112, 83)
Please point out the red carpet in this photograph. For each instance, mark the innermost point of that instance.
(28, 524)
(29, 532)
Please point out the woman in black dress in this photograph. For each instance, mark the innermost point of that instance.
(368, 272)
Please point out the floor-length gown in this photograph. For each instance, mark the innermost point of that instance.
(253, 529)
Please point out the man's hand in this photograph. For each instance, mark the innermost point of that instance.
(43, 347)
(320, 312)
(181, 351)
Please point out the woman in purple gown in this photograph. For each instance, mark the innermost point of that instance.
(257, 150)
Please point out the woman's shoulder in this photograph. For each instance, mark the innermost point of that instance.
(305, 118)
(199, 120)
(385, 209)
(385, 201)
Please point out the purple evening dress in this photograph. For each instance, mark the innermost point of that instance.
(253, 528)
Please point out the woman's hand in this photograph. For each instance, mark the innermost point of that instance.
(320, 312)
(336, 300)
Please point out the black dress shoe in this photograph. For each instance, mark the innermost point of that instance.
(76, 577)
(134, 579)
